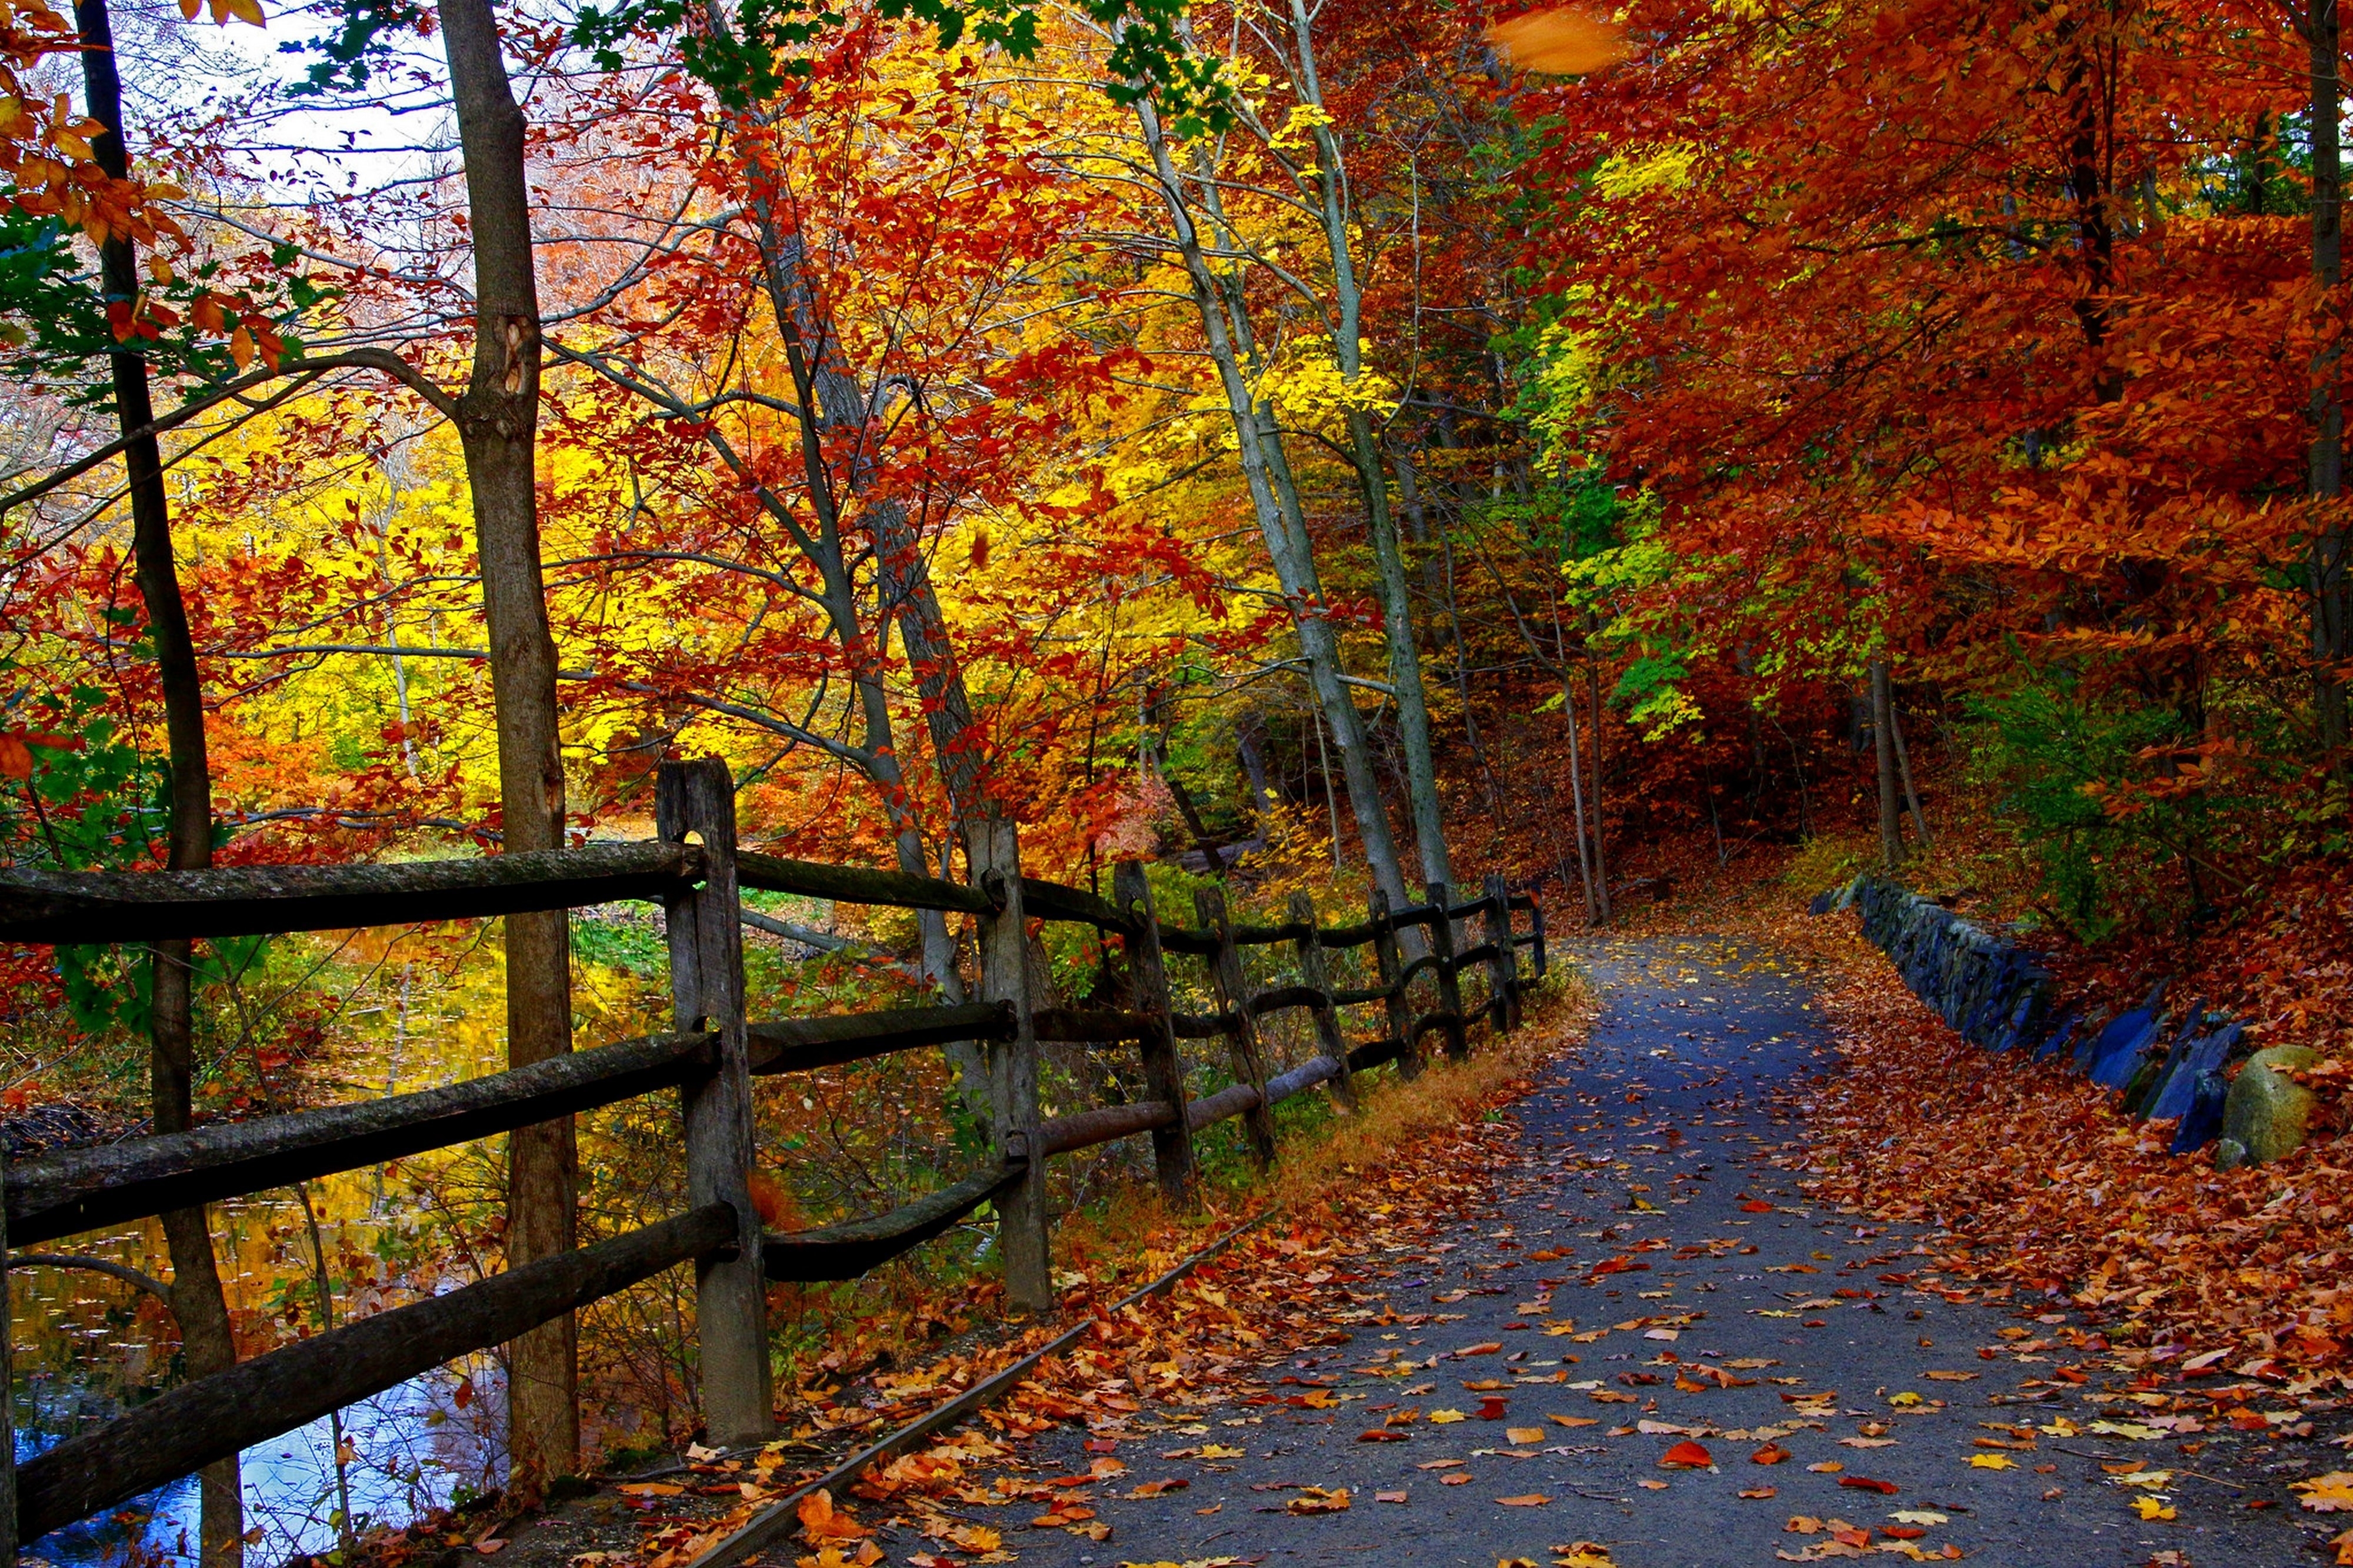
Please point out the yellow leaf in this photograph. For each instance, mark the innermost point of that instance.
(1993, 1462)
(2152, 1508)
(1440, 1417)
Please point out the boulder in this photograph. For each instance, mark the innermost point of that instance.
(2267, 1111)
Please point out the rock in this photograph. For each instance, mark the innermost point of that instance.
(2116, 1053)
(2229, 1154)
(2207, 1094)
(2180, 1088)
(2267, 1111)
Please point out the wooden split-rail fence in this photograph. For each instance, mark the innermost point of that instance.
(695, 871)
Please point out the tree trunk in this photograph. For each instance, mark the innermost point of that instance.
(498, 423)
(1904, 772)
(197, 1301)
(1274, 502)
(2327, 413)
(1593, 701)
(1331, 186)
(1882, 739)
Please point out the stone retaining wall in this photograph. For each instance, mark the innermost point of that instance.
(1990, 991)
(1995, 993)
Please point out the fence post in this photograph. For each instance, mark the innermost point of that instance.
(995, 855)
(1164, 1069)
(1399, 1011)
(695, 802)
(1241, 1035)
(1504, 969)
(1450, 987)
(1537, 960)
(1327, 1022)
(8, 1382)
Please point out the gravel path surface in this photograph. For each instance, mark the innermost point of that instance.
(1646, 1277)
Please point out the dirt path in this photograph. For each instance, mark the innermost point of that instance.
(1700, 1300)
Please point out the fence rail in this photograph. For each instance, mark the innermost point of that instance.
(711, 1066)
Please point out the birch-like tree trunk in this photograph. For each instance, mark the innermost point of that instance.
(1274, 502)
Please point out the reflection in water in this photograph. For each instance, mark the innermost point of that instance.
(417, 1010)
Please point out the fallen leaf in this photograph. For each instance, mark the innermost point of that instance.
(1864, 1483)
(1524, 1436)
(821, 1522)
(2152, 1508)
(1154, 1489)
(2331, 1493)
(1388, 1497)
(1826, 1467)
(1652, 1486)
(1770, 1454)
(1761, 1492)
(1318, 1499)
(1455, 1478)
(1573, 1420)
(1992, 1462)
(1525, 1500)
(1441, 1418)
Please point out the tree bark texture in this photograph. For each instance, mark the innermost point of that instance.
(497, 426)
(1882, 739)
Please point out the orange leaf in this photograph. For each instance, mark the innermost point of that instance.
(821, 1522)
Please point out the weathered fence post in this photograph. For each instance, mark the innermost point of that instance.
(1241, 1032)
(1450, 987)
(1312, 972)
(996, 853)
(8, 1382)
(1536, 961)
(695, 802)
(1397, 1010)
(1503, 966)
(1164, 1070)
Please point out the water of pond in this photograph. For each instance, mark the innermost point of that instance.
(414, 1011)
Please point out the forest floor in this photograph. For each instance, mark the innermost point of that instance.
(1633, 1340)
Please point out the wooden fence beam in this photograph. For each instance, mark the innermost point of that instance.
(1248, 1062)
(100, 907)
(854, 884)
(1310, 955)
(1450, 987)
(1399, 1012)
(696, 800)
(1164, 1069)
(995, 848)
(91, 1188)
(803, 1045)
(185, 1428)
(849, 1249)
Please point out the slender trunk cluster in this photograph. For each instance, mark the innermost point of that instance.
(1274, 499)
